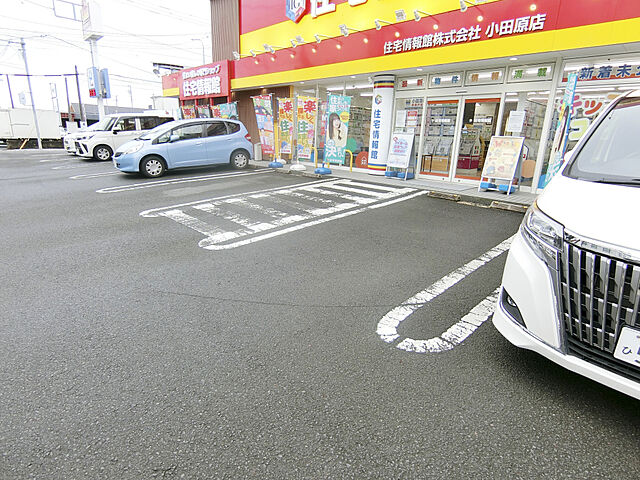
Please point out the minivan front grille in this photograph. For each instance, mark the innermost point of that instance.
(599, 295)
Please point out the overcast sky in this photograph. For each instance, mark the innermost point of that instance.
(136, 34)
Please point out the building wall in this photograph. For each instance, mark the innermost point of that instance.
(225, 29)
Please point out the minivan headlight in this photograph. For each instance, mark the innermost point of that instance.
(133, 148)
(543, 234)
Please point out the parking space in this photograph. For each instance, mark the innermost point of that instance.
(292, 323)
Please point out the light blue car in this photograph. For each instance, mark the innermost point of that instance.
(186, 143)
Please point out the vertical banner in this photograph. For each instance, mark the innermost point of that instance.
(264, 118)
(562, 129)
(225, 110)
(381, 119)
(285, 125)
(307, 112)
(335, 144)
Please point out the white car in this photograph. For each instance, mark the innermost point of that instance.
(115, 130)
(69, 139)
(571, 284)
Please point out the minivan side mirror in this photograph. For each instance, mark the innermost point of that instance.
(115, 132)
(174, 138)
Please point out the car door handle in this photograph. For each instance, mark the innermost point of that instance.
(199, 143)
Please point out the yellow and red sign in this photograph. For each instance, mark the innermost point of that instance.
(495, 28)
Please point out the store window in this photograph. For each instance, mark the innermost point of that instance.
(359, 124)
(439, 130)
(479, 122)
(523, 117)
(408, 119)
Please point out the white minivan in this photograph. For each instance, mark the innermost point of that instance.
(114, 130)
(571, 284)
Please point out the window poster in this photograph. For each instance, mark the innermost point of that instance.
(335, 144)
(307, 114)
(264, 118)
(188, 111)
(225, 110)
(285, 125)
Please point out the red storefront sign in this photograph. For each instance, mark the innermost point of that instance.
(206, 81)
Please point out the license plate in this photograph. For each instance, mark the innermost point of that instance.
(628, 347)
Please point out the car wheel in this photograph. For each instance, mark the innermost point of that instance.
(239, 160)
(152, 167)
(102, 153)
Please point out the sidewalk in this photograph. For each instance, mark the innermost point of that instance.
(458, 192)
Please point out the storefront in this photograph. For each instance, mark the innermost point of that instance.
(204, 91)
(462, 71)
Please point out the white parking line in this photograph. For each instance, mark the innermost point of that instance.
(388, 325)
(312, 203)
(160, 183)
(93, 175)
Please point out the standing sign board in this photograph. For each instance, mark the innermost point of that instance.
(264, 118)
(501, 162)
(562, 129)
(400, 151)
(307, 114)
(285, 125)
(335, 145)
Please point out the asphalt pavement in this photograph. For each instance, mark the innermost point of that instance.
(149, 330)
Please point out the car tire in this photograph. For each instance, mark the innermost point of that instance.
(102, 153)
(152, 167)
(239, 159)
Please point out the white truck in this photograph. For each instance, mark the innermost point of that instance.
(17, 126)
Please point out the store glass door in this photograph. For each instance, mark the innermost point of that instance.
(479, 123)
(408, 119)
(440, 128)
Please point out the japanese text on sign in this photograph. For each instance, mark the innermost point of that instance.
(201, 86)
(506, 27)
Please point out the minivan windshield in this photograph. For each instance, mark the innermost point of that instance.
(154, 132)
(610, 154)
(104, 124)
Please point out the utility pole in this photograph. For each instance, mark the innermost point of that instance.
(70, 117)
(93, 45)
(83, 116)
(33, 107)
(10, 94)
(130, 95)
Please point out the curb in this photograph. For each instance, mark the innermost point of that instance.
(454, 197)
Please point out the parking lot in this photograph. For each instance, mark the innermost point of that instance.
(247, 324)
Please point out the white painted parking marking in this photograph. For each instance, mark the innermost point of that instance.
(93, 175)
(388, 325)
(176, 181)
(263, 214)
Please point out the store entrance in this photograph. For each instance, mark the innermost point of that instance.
(479, 122)
(440, 129)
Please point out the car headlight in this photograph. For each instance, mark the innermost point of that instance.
(543, 234)
(133, 148)
(85, 137)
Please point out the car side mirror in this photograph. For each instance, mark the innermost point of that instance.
(115, 132)
(174, 138)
